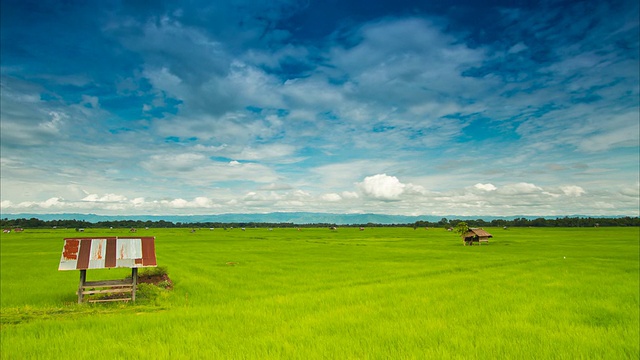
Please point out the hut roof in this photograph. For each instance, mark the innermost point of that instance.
(477, 232)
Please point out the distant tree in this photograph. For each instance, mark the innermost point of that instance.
(539, 222)
(461, 228)
(447, 223)
(499, 222)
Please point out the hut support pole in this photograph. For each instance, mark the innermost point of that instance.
(83, 279)
(134, 281)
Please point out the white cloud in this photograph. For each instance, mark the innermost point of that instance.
(521, 199)
(49, 204)
(197, 169)
(332, 197)
(104, 198)
(266, 152)
(175, 163)
(56, 122)
(52, 202)
(485, 187)
(178, 203)
(519, 47)
(390, 96)
(349, 195)
(196, 205)
(203, 202)
(276, 187)
(396, 60)
(519, 189)
(382, 186)
(337, 175)
(262, 196)
(412, 189)
(91, 101)
(612, 132)
(631, 191)
(301, 194)
(572, 190)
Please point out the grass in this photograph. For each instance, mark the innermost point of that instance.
(315, 294)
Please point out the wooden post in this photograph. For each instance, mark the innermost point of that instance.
(134, 281)
(83, 279)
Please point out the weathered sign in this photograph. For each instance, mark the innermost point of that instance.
(108, 252)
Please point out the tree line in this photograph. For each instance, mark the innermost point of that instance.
(34, 223)
(538, 222)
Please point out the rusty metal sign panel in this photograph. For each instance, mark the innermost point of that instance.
(108, 252)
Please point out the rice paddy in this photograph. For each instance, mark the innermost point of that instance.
(382, 293)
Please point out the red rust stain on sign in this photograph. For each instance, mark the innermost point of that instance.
(70, 251)
(99, 251)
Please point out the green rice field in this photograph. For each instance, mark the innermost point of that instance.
(381, 293)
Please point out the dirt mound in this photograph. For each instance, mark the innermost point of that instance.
(158, 280)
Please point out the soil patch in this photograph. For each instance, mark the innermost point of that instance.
(162, 281)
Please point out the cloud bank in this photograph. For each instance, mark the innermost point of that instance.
(260, 107)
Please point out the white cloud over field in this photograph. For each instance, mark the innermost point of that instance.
(382, 186)
(377, 191)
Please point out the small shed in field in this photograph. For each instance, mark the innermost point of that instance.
(477, 235)
(105, 253)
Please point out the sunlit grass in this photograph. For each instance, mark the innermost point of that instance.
(315, 294)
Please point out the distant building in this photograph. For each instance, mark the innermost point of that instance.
(476, 235)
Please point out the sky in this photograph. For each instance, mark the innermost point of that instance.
(463, 107)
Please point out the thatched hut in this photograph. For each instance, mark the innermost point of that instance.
(476, 235)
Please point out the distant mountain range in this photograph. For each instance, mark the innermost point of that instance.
(278, 217)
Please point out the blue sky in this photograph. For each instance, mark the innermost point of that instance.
(396, 107)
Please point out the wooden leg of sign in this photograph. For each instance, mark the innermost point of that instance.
(134, 279)
(83, 279)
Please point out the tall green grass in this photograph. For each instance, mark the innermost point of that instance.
(316, 294)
